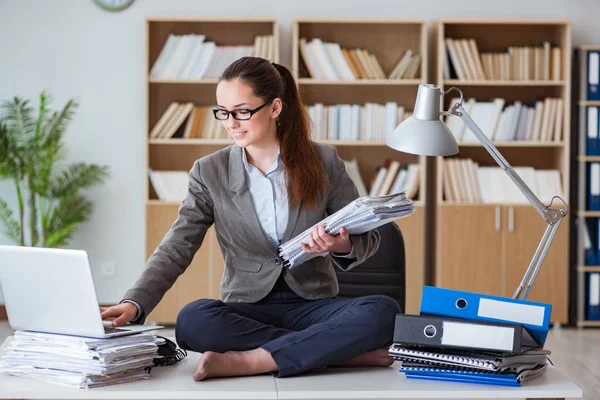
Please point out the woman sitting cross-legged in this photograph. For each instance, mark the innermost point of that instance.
(271, 185)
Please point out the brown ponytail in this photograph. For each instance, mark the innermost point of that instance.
(305, 176)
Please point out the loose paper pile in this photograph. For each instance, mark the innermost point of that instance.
(77, 361)
(361, 215)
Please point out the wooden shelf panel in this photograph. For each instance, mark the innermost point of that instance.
(588, 268)
(506, 22)
(588, 158)
(155, 202)
(524, 94)
(588, 213)
(361, 82)
(202, 142)
(386, 39)
(515, 143)
(590, 103)
(207, 81)
(444, 203)
(191, 142)
(355, 143)
(583, 324)
(458, 82)
(204, 20)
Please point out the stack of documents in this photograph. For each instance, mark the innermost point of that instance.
(475, 367)
(469, 337)
(81, 362)
(360, 216)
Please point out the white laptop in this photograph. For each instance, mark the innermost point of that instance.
(52, 290)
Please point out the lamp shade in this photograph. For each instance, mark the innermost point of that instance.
(424, 133)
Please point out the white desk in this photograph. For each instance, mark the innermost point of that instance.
(175, 382)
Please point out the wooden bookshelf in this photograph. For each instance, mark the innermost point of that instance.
(580, 271)
(202, 278)
(487, 248)
(458, 82)
(386, 39)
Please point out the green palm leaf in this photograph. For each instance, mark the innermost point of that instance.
(18, 118)
(12, 227)
(50, 131)
(77, 176)
(56, 126)
(65, 218)
(12, 157)
(42, 116)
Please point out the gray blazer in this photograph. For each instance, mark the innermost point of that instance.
(218, 194)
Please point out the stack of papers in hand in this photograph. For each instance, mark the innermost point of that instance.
(361, 215)
(77, 361)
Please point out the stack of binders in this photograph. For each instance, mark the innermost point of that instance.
(469, 337)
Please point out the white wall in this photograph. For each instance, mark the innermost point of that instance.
(74, 49)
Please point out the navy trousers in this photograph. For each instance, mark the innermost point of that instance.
(300, 334)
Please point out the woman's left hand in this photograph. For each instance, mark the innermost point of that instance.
(320, 241)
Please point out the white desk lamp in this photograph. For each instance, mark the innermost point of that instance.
(425, 134)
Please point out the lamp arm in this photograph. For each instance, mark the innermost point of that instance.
(501, 161)
(552, 217)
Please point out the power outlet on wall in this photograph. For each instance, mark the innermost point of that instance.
(108, 268)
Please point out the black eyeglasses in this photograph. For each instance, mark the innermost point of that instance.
(243, 114)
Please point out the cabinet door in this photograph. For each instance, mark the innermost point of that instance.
(200, 280)
(522, 236)
(413, 234)
(469, 255)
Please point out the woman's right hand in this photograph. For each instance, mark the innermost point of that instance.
(122, 313)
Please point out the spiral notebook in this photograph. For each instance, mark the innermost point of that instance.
(469, 360)
(489, 378)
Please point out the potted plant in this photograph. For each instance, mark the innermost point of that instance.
(51, 205)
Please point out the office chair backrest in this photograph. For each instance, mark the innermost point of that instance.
(383, 273)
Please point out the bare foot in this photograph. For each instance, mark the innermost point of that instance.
(234, 363)
(375, 358)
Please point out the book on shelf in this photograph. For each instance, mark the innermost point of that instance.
(188, 122)
(593, 296)
(593, 76)
(540, 121)
(169, 186)
(392, 178)
(465, 62)
(355, 122)
(464, 181)
(193, 57)
(354, 174)
(591, 245)
(329, 61)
